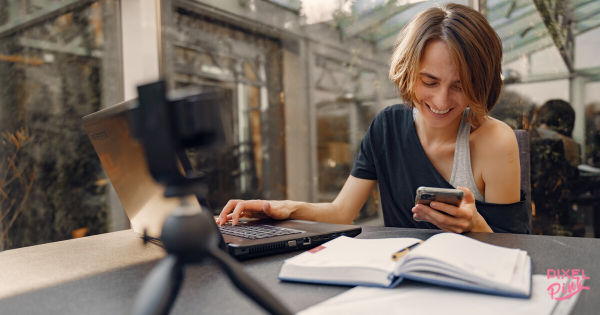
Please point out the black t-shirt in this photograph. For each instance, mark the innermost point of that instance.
(391, 153)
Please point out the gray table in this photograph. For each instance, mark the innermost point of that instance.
(102, 274)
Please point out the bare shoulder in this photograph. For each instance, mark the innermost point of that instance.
(494, 137)
(496, 149)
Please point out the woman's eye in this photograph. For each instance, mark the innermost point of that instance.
(428, 84)
(458, 88)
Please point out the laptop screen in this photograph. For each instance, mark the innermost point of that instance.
(123, 159)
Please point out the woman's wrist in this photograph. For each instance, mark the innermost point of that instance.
(298, 210)
(481, 225)
(321, 212)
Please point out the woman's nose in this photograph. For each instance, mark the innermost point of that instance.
(442, 99)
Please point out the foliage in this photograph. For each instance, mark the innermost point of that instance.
(16, 181)
(45, 101)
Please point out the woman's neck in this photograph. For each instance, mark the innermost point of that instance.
(436, 136)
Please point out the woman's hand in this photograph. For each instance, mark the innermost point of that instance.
(449, 218)
(236, 209)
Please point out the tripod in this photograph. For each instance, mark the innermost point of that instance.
(165, 127)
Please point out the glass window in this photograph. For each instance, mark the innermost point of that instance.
(59, 61)
(247, 67)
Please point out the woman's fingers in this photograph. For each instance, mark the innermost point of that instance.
(469, 197)
(226, 210)
(236, 213)
(236, 209)
(421, 212)
(441, 220)
(249, 206)
(250, 215)
(457, 212)
(448, 223)
(446, 208)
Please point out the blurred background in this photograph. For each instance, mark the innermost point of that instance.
(302, 80)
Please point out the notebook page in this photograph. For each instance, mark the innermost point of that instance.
(350, 252)
(489, 262)
(417, 298)
(521, 273)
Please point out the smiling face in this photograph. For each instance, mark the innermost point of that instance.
(438, 91)
(420, 56)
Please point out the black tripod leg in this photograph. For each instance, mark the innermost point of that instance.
(248, 285)
(160, 288)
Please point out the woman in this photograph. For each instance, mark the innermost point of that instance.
(446, 65)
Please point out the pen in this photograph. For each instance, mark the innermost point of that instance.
(397, 255)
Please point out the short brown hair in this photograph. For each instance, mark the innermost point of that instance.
(473, 43)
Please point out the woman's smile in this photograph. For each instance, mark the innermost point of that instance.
(439, 113)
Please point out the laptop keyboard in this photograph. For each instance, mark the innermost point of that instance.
(256, 231)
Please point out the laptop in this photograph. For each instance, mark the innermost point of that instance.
(123, 159)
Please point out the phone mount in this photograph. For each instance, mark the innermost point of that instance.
(166, 126)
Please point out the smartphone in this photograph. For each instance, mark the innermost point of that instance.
(425, 195)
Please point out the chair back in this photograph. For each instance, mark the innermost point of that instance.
(524, 158)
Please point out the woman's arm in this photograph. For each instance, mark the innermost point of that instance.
(502, 168)
(342, 210)
(498, 150)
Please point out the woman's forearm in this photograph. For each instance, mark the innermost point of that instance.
(321, 212)
(342, 210)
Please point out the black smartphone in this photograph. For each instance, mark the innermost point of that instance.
(425, 195)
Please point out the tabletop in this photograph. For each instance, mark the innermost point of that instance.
(101, 274)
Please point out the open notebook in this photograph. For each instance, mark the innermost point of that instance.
(445, 259)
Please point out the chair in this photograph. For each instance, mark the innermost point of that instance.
(554, 186)
(524, 158)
